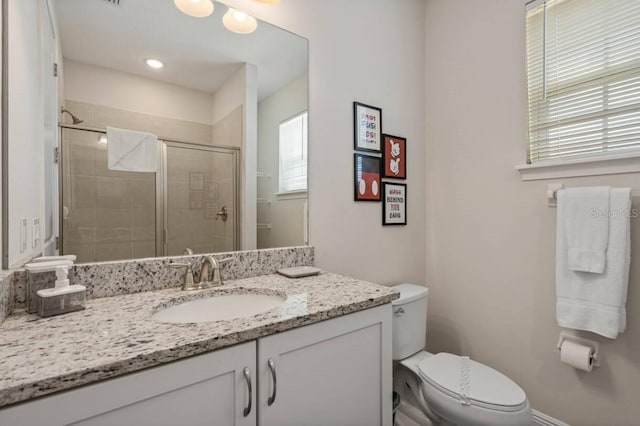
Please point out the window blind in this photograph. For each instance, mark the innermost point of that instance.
(583, 72)
(293, 154)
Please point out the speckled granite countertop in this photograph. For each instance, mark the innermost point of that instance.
(116, 335)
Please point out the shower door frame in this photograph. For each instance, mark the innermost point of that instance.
(162, 186)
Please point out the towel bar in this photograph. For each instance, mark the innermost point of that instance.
(553, 188)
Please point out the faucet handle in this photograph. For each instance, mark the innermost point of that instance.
(217, 272)
(188, 276)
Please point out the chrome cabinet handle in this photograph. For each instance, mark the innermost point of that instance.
(247, 376)
(272, 367)
(399, 312)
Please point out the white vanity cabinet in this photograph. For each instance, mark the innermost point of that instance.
(209, 389)
(335, 372)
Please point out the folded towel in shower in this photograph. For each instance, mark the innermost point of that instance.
(596, 302)
(585, 218)
(131, 151)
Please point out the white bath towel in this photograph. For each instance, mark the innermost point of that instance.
(586, 226)
(131, 151)
(596, 302)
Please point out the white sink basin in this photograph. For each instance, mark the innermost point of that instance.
(222, 307)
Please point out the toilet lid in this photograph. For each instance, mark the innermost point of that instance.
(484, 386)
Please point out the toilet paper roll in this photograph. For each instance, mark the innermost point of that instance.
(577, 355)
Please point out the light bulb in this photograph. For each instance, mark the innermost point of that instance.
(195, 8)
(154, 63)
(239, 16)
(239, 22)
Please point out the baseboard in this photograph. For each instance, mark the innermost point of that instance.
(541, 419)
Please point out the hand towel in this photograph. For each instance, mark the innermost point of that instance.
(131, 151)
(596, 302)
(586, 225)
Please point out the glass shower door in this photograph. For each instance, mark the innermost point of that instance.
(200, 198)
(106, 214)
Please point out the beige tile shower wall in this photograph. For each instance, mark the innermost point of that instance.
(100, 117)
(490, 260)
(199, 183)
(107, 215)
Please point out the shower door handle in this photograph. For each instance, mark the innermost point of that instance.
(223, 213)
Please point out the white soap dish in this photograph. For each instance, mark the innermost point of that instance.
(299, 271)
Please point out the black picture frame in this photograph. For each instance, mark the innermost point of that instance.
(367, 179)
(386, 205)
(388, 155)
(358, 143)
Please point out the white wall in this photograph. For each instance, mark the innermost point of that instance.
(241, 89)
(116, 89)
(354, 57)
(25, 118)
(229, 95)
(283, 213)
(249, 192)
(490, 257)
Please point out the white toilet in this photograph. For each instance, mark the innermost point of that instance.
(446, 389)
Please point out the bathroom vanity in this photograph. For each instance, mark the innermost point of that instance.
(322, 357)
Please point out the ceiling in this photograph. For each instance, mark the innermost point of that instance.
(199, 53)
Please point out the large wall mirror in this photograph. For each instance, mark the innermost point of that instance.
(227, 115)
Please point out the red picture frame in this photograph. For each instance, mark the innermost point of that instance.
(366, 178)
(394, 157)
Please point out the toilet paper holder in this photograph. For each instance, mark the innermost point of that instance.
(581, 340)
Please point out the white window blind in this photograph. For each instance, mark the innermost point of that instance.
(583, 70)
(293, 154)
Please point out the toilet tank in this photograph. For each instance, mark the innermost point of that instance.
(409, 320)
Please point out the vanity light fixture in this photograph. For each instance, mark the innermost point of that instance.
(154, 63)
(239, 22)
(195, 8)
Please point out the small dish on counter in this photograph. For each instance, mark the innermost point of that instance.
(299, 271)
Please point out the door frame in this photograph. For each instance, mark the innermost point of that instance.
(162, 186)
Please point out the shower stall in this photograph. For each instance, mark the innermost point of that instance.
(192, 201)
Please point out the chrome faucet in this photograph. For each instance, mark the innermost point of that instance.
(210, 275)
(211, 266)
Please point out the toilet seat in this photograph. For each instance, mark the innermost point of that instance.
(487, 388)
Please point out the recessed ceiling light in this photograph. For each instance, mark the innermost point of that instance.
(239, 22)
(195, 8)
(154, 63)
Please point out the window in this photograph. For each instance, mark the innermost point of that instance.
(583, 71)
(293, 154)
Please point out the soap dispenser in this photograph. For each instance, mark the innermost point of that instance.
(63, 297)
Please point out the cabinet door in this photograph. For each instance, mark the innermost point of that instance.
(209, 389)
(336, 372)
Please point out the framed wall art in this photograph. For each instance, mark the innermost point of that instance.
(394, 204)
(367, 127)
(394, 157)
(366, 178)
